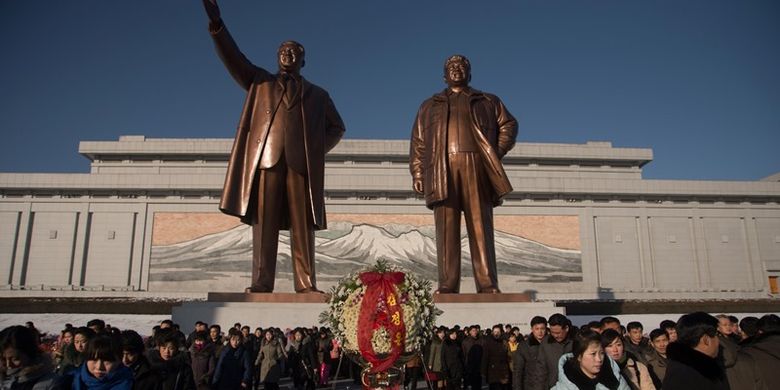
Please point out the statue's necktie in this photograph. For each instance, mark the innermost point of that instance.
(291, 89)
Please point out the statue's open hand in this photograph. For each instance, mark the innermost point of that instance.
(418, 186)
(212, 10)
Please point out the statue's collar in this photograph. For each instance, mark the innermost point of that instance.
(468, 91)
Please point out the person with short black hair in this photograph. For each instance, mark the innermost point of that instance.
(595, 326)
(693, 360)
(671, 329)
(656, 359)
(610, 322)
(23, 364)
(170, 363)
(748, 328)
(495, 360)
(452, 360)
(97, 325)
(764, 348)
(636, 342)
(103, 368)
(556, 345)
(234, 368)
(587, 366)
(133, 357)
(473, 347)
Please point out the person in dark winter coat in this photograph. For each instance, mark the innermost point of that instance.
(295, 360)
(764, 349)
(452, 361)
(473, 347)
(172, 366)
(587, 367)
(693, 360)
(309, 360)
(103, 368)
(495, 360)
(551, 350)
(636, 343)
(23, 365)
(528, 372)
(234, 367)
(203, 360)
(133, 357)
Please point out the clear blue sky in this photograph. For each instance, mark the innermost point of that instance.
(698, 81)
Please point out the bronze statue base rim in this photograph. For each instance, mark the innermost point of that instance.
(481, 297)
(269, 297)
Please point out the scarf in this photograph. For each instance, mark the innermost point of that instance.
(120, 378)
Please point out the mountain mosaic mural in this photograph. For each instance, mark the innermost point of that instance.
(221, 261)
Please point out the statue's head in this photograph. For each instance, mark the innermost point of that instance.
(457, 71)
(291, 57)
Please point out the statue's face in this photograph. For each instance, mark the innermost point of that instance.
(457, 74)
(290, 58)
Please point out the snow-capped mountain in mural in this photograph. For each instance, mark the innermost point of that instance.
(345, 247)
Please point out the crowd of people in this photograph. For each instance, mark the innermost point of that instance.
(698, 351)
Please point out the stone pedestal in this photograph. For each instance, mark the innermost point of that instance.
(288, 310)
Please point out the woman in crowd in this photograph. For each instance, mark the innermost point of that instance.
(171, 365)
(73, 356)
(65, 339)
(635, 372)
(144, 378)
(434, 360)
(103, 368)
(203, 360)
(587, 368)
(234, 367)
(23, 365)
(295, 359)
(269, 360)
(452, 360)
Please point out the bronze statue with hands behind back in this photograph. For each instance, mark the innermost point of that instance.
(275, 175)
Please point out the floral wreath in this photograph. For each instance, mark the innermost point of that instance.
(380, 313)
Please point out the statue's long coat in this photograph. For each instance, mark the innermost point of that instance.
(494, 129)
(322, 130)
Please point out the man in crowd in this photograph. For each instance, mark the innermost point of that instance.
(558, 343)
(656, 358)
(473, 348)
(637, 344)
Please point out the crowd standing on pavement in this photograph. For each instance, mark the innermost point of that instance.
(698, 351)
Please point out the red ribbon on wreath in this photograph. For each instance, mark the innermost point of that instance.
(381, 308)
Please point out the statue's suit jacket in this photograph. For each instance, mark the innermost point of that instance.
(494, 129)
(322, 130)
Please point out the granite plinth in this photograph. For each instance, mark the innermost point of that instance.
(481, 298)
(268, 297)
(289, 310)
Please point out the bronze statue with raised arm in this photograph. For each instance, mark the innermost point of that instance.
(458, 140)
(275, 175)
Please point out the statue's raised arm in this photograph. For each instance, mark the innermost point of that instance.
(242, 70)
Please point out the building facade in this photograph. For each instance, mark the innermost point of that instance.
(581, 223)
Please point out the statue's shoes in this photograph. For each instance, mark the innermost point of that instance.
(310, 290)
(258, 290)
(445, 290)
